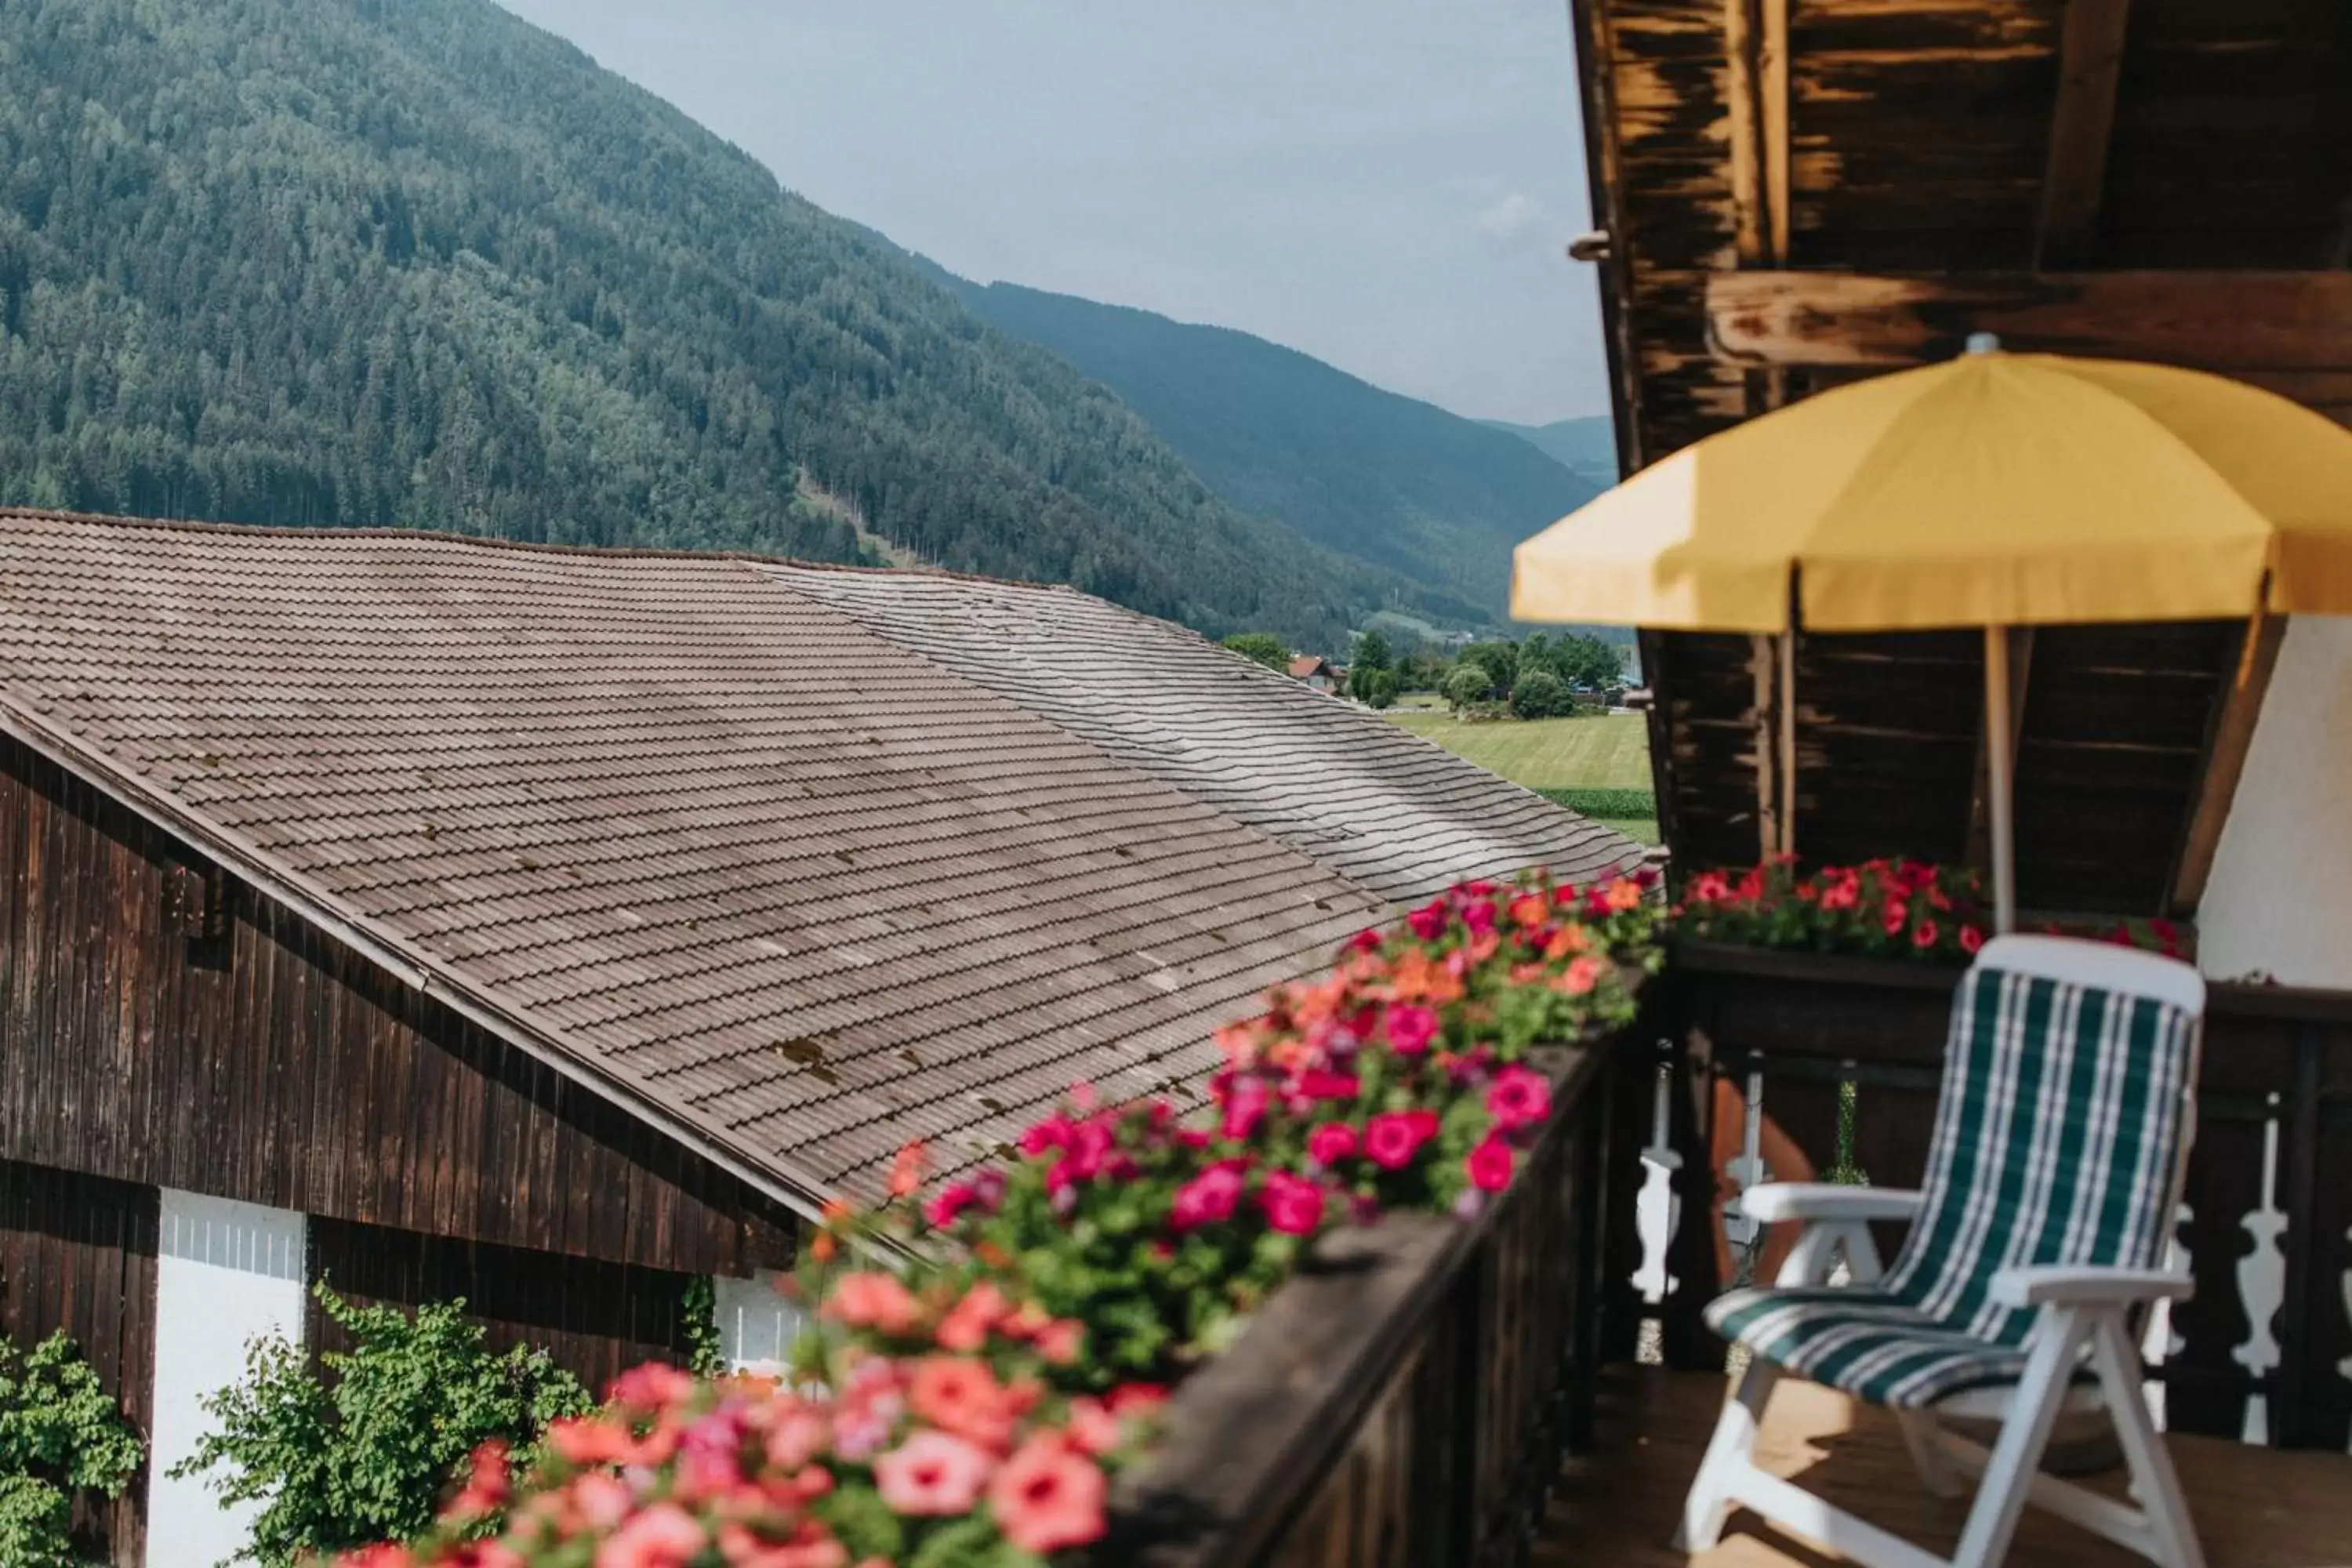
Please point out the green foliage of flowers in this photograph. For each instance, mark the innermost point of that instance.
(970, 1414)
(360, 1448)
(1879, 909)
(60, 1432)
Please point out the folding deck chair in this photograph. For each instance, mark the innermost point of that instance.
(2055, 1168)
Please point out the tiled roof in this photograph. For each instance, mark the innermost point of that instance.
(1388, 811)
(1303, 665)
(799, 889)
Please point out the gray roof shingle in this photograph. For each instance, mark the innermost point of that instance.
(797, 878)
(1388, 810)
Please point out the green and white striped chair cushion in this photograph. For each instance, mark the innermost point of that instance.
(2056, 1141)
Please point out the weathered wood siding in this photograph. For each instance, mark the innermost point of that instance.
(268, 1063)
(77, 1254)
(595, 1317)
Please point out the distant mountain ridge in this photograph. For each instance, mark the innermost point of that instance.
(1586, 448)
(417, 262)
(1280, 434)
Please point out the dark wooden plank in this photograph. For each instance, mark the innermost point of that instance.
(78, 1255)
(2214, 320)
(2090, 58)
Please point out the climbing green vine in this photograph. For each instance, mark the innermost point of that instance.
(697, 1312)
(60, 1432)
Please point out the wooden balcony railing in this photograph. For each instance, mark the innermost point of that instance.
(1405, 1400)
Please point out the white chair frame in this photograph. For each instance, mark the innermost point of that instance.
(2081, 1312)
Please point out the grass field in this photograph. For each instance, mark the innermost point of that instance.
(1611, 753)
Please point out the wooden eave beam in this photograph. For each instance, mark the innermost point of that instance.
(2090, 54)
(2231, 737)
(2229, 322)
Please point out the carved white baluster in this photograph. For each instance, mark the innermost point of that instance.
(1748, 1168)
(1659, 1210)
(2161, 1343)
(2261, 1282)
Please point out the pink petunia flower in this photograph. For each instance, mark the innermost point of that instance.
(949, 1203)
(1428, 922)
(1411, 1028)
(932, 1475)
(1490, 1164)
(1320, 1083)
(1048, 1497)
(1519, 1096)
(960, 1395)
(1052, 1132)
(1294, 1206)
(1331, 1143)
(1479, 916)
(1245, 1107)
(1394, 1137)
(966, 1327)
(870, 1299)
(1208, 1197)
(663, 1536)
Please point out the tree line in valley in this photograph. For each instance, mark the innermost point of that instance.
(1543, 675)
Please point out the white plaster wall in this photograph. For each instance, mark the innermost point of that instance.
(226, 1273)
(757, 1324)
(2280, 899)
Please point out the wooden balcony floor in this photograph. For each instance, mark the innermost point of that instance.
(2254, 1507)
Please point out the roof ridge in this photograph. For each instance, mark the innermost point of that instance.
(754, 558)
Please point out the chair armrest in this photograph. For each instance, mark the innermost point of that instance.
(2033, 1285)
(1770, 1202)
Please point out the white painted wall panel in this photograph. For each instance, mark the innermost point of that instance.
(2280, 900)
(226, 1273)
(757, 1324)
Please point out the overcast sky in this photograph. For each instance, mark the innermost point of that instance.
(1387, 185)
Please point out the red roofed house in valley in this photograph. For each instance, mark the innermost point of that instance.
(1316, 671)
(558, 929)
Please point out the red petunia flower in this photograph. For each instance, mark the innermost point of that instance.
(1294, 1206)
(1490, 1164)
(1331, 1143)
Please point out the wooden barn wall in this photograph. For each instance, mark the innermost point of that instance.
(596, 1318)
(271, 1064)
(1917, 137)
(77, 1254)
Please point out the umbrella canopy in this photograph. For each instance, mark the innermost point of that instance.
(1993, 489)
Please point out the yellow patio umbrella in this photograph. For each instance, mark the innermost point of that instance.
(1991, 490)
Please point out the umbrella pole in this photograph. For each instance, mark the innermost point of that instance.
(1786, 769)
(1999, 768)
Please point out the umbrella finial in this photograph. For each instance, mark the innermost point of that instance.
(1984, 342)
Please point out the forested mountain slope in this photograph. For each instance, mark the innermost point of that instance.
(1282, 435)
(348, 262)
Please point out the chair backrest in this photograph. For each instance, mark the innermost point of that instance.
(2063, 1125)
